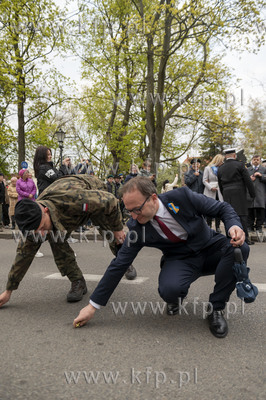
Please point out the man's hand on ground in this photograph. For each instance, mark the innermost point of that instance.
(84, 316)
(4, 297)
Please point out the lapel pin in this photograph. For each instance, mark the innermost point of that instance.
(172, 207)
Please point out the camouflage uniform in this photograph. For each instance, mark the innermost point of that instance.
(71, 201)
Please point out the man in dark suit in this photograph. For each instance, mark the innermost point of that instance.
(234, 182)
(174, 223)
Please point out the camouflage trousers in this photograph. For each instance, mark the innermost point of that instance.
(63, 254)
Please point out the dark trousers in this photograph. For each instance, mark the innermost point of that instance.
(13, 221)
(6, 220)
(244, 222)
(255, 214)
(1, 215)
(217, 222)
(177, 275)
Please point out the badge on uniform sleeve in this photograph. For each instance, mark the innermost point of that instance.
(85, 207)
(172, 207)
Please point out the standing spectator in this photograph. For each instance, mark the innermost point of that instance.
(6, 219)
(169, 186)
(25, 186)
(110, 184)
(256, 206)
(133, 172)
(26, 189)
(117, 185)
(193, 178)
(2, 199)
(210, 181)
(121, 176)
(84, 167)
(146, 171)
(234, 181)
(13, 198)
(44, 169)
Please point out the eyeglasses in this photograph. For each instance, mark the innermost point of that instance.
(137, 210)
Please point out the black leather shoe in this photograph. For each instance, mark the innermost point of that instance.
(172, 308)
(78, 289)
(131, 273)
(217, 323)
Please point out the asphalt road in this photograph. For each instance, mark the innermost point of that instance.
(131, 352)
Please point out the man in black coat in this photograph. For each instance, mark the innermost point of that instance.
(256, 206)
(234, 182)
(193, 178)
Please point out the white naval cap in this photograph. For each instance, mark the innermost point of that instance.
(229, 151)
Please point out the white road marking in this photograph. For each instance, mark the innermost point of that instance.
(97, 278)
(261, 286)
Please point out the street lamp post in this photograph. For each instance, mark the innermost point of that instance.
(60, 134)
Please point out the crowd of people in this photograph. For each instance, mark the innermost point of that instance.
(178, 222)
(243, 186)
(249, 203)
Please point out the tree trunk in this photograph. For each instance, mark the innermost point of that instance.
(150, 122)
(21, 133)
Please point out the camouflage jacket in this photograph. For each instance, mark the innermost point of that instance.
(74, 199)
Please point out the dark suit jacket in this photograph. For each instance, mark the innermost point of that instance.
(187, 208)
(2, 192)
(260, 188)
(234, 182)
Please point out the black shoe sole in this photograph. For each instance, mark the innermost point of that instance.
(219, 335)
(172, 311)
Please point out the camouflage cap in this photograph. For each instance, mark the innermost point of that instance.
(28, 215)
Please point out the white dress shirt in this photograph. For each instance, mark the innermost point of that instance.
(169, 221)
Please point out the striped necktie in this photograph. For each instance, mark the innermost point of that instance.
(170, 235)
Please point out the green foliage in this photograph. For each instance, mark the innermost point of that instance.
(220, 132)
(29, 32)
(157, 80)
(255, 137)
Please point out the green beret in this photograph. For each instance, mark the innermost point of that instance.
(28, 215)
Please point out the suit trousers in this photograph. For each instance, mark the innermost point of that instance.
(177, 274)
(255, 218)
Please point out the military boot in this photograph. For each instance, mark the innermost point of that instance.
(78, 289)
